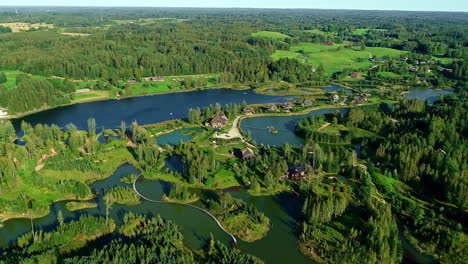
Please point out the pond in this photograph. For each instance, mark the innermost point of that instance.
(283, 210)
(146, 109)
(336, 88)
(423, 94)
(177, 136)
(257, 127)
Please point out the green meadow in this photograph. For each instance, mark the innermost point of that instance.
(335, 58)
(270, 34)
(363, 31)
(11, 77)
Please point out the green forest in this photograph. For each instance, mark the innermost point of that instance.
(378, 178)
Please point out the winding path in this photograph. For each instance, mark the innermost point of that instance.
(190, 205)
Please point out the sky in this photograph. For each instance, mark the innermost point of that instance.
(414, 5)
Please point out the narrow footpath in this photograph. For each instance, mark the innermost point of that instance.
(190, 205)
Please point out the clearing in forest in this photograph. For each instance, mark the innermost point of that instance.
(21, 26)
(336, 57)
(270, 34)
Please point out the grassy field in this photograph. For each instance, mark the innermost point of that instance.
(11, 77)
(270, 34)
(319, 32)
(363, 31)
(389, 74)
(335, 58)
(20, 26)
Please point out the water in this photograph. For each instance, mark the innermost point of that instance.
(424, 94)
(336, 88)
(174, 164)
(145, 110)
(177, 136)
(256, 127)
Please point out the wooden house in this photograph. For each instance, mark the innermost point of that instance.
(219, 121)
(307, 102)
(271, 107)
(247, 153)
(154, 79)
(355, 75)
(288, 106)
(295, 172)
(249, 110)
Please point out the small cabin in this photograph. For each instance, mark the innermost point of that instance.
(3, 112)
(247, 153)
(132, 82)
(219, 121)
(355, 75)
(295, 172)
(328, 43)
(307, 102)
(154, 79)
(271, 107)
(82, 91)
(335, 97)
(288, 106)
(249, 110)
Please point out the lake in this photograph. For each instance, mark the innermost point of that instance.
(424, 94)
(145, 109)
(256, 127)
(284, 210)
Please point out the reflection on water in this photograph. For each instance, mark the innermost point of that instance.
(257, 127)
(424, 94)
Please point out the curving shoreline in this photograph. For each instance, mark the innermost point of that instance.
(190, 205)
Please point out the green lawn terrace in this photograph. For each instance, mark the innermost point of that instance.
(336, 57)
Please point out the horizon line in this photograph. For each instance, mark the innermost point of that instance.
(214, 7)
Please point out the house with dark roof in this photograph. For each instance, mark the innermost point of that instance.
(295, 172)
(154, 79)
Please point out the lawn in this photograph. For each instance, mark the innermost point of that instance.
(164, 86)
(319, 32)
(11, 77)
(388, 75)
(363, 31)
(336, 58)
(270, 34)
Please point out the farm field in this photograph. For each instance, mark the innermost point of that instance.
(20, 26)
(335, 58)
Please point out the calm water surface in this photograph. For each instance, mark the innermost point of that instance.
(280, 245)
(257, 127)
(145, 110)
(424, 94)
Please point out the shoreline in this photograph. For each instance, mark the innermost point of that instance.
(99, 99)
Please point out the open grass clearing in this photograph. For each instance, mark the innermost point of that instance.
(364, 31)
(270, 34)
(335, 58)
(22, 26)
